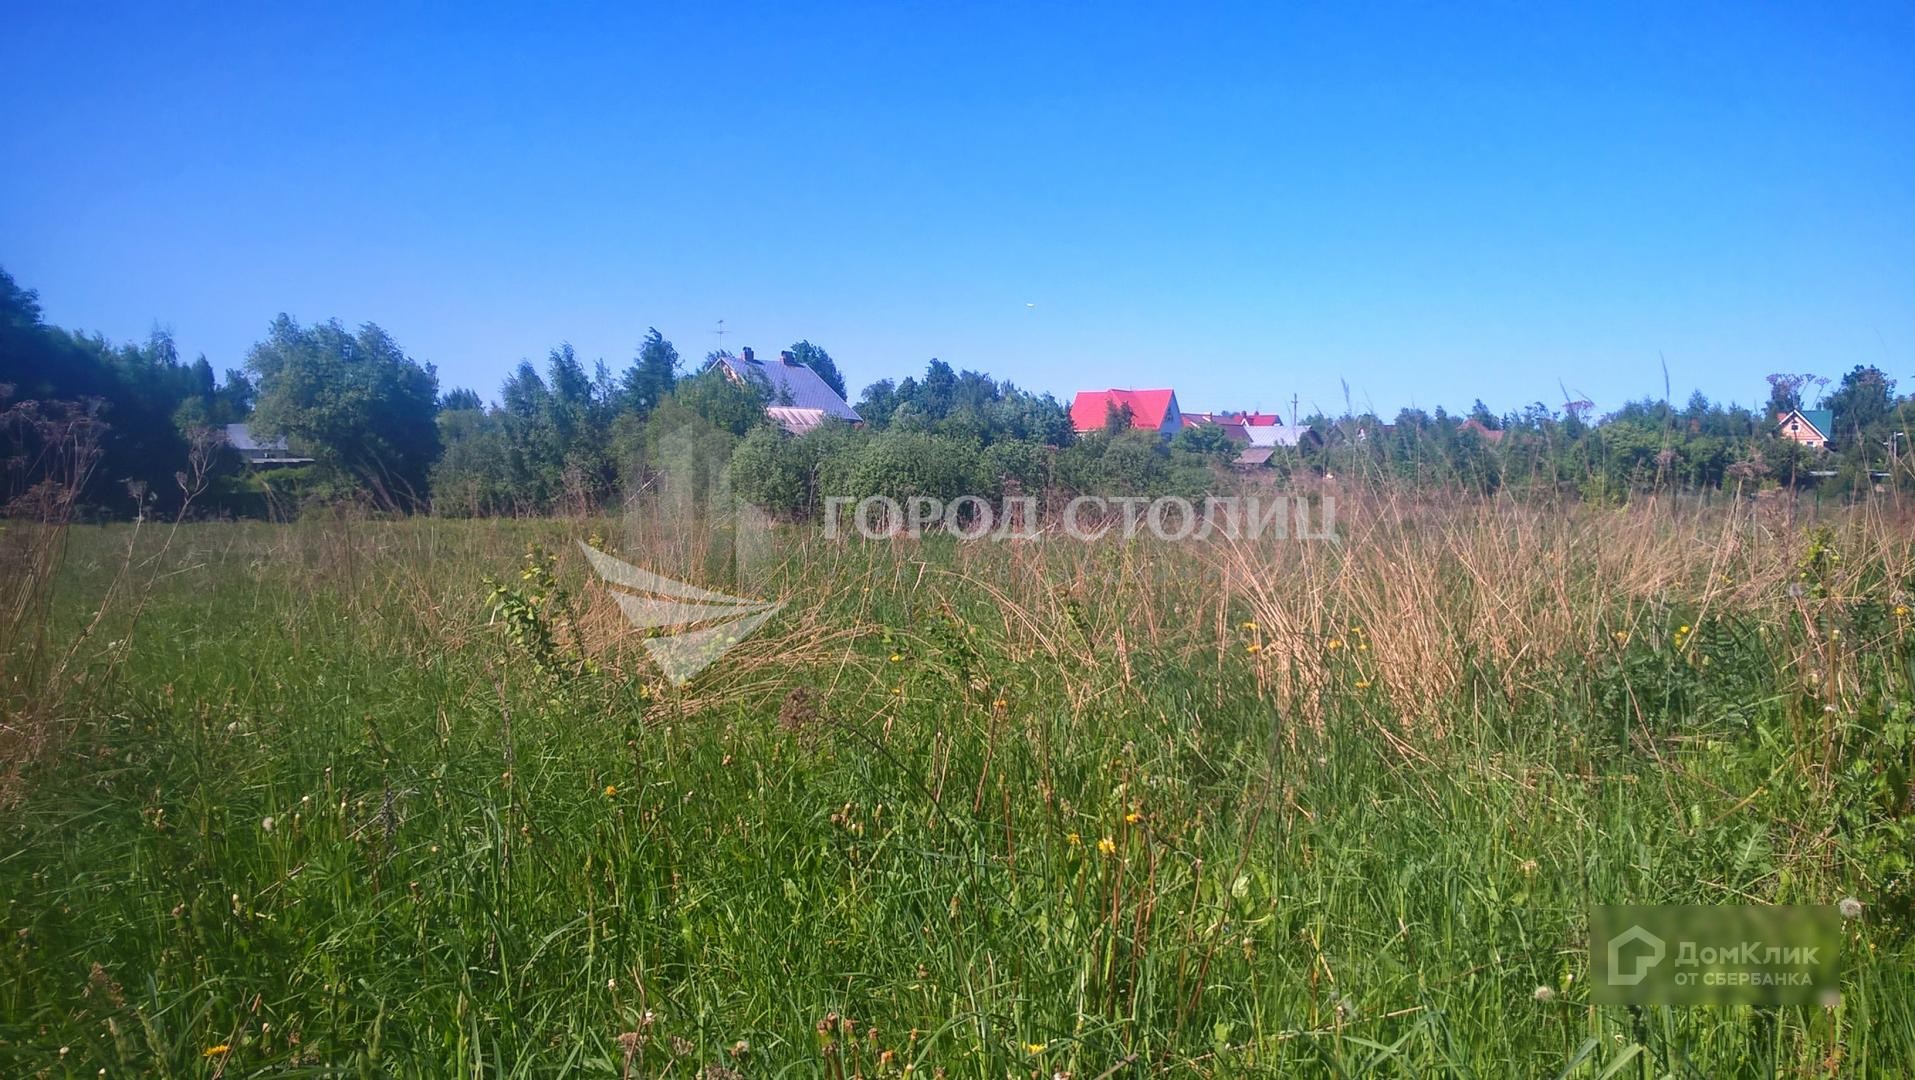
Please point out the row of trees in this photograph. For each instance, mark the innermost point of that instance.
(569, 437)
(1646, 444)
(954, 433)
(141, 404)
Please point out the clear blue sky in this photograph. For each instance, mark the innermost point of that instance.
(1430, 204)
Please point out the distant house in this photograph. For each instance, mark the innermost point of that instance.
(259, 452)
(1810, 427)
(1232, 429)
(1255, 457)
(1231, 418)
(1260, 434)
(1150, 410)
(800, 398)
(1488, 434)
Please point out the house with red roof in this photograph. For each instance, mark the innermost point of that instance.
(1150, 410)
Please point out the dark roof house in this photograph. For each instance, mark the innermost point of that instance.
(1232, 429)
(800, 398)
(254, 450)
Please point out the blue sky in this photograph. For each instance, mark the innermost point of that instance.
(1246, 203)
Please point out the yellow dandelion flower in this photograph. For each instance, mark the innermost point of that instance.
(897, 690)
(611, 790)
(1621, 636)
(1000, 703)
(215, 1051)
(1253, 648)
(1133, 818)
(1250, 624)
(1901, 611)
(895, 657)
(1074, 840)
(1336, 643)
(1363, 684)
(1034, 1048)
(1107, 846)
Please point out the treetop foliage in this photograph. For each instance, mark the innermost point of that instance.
(568, 436)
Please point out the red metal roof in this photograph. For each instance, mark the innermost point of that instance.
(1147, 407)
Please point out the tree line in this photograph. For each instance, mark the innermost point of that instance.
(147, 427)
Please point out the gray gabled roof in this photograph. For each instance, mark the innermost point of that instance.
(790, 384)
(1275, 434)
(258, 451)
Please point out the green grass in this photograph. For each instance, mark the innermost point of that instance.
(475, 867)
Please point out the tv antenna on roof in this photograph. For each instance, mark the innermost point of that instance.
(721, 335)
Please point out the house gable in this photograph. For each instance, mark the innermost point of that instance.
(1150, 410)
(1810, 427)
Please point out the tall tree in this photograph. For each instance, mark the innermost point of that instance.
(460, 400)
(651, 377)
(878, 402)
(1785, 391)
(357, 401)
(820, 361)
(722, 402)
(1861, 402)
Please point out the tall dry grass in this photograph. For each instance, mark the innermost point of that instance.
(51, 451)
(1422, 595)
(1426, 602)
(994, 794)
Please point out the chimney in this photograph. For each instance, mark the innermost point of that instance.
(748, 358)
(785, 358)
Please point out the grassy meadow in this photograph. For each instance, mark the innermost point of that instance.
(368, 798)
